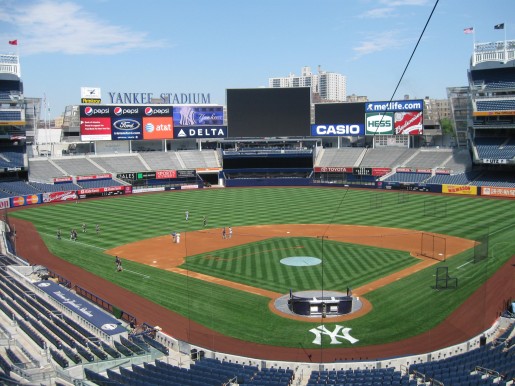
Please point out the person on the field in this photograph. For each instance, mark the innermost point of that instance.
(118, 263)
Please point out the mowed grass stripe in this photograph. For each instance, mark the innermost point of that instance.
(402, 309)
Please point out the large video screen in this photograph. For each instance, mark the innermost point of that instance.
(340, 113)
(269, 112)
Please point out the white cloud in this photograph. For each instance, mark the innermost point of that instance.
(380, 42)
(378, 13)
(64, 27)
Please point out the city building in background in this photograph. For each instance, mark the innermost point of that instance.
(325, 86)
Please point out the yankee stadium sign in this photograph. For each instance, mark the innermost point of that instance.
(135, 98)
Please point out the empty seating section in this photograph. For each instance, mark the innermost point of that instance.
(192, 159)
(495, 179)
(12, 157)
(77, 166)
(408, 177)
(14, 188)
(120, 164)
(43, 170)
(373, 377)
(427, 159)
(201, 373)
(499, 84)
(54, 187)
(97, 184)
(463, 368)
(453, 179)
(495, 105)
(495, 148)
(162, 160)
(344, 157)
(459, 162)
(386, 157)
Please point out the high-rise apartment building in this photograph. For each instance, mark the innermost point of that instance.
(325, 86)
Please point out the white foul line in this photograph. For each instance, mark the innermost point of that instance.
(468, 262)
(136, 273)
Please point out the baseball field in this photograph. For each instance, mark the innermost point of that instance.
(369, 241)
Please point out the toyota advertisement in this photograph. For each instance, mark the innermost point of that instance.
(156, 122)
(403, 117)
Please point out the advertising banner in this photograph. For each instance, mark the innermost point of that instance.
(498, 192)
(343, 129)
(98, 192)
(380, 171)
(200, 132)
(186, 173)
(136, 176)
(489, 113)
(25, 200)
(5, 203)
(332, 169)
(95, 129)
(460, 189)
(379, 124)
(60, 196)
(103, 321)
(95, 177)
(198, 115)
(394, 106)
(166, 174)
(127, 128)
(62, 180)
(408, 123)
(157, 128)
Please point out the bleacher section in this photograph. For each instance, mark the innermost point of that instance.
(347, 156)
(77, 166)
(495, 147)
(387, 157)
(495, 105)
(42, 170)
(12, 157)
(192, 159)
(460, 161)
(120, 164)
(427, 159)
(157, 160)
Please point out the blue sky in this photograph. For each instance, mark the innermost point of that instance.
(208, 46)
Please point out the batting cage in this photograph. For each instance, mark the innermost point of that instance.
(481, 248)
(443, 280)
(433, 246)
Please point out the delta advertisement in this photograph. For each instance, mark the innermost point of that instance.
(155, 122)
(403, 117)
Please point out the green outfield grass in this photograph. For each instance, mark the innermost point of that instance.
(402, 309)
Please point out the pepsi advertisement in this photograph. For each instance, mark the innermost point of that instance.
(151, 122)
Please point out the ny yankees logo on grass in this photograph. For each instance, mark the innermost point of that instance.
(322, 330)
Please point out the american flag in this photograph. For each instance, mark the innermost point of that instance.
(469, 30)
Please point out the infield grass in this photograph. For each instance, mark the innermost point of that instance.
(402, 309)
